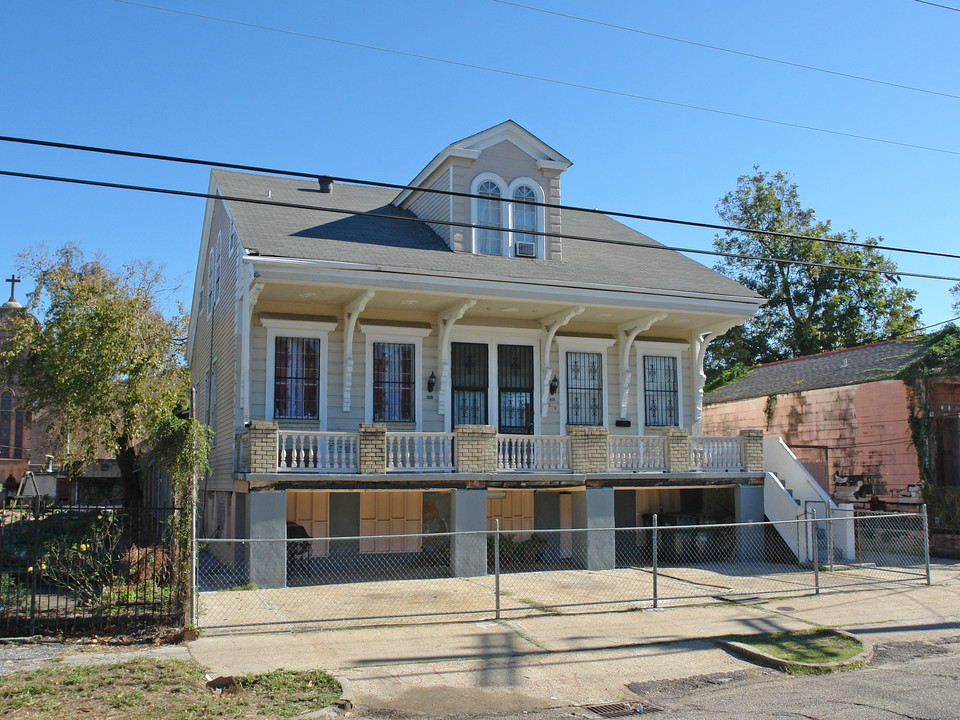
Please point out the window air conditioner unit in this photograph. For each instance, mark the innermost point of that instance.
(526, 249)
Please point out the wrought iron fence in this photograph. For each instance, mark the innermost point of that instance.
(250, 585)
(85, 569)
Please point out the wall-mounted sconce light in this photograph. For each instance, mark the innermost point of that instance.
(554, 385)
(431, 382)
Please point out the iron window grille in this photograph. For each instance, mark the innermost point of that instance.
(296, 392)
(393, 382)
(584, 388)
(660, 390)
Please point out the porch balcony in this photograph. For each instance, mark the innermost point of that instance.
(265, 448)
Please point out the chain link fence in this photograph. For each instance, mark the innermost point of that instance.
(304, 583)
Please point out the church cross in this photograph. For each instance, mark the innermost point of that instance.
(13, 280)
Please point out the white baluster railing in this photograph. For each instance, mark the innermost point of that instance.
(638, 452)
(317, 452)
(420, 452)
(716, 453)
(533, 452)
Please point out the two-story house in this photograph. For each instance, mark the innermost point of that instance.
(381, 362)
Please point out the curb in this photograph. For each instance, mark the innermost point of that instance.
(758, 656)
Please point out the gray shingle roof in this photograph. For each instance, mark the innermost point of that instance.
(318, 235)
(879, 361)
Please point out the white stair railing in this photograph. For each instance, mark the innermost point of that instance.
(317, 452)
(533, 452)
(420, 452)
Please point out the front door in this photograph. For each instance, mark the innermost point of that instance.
(515, 385)
(469, 379)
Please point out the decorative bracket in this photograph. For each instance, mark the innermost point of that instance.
(351, 312)
(626, 333)
(550, 326)
(446, 320)
(700, 338)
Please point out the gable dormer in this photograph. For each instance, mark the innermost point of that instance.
(507, 167)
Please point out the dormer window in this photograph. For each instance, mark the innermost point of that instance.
(524, 222)
(506, 224)
(489, 239)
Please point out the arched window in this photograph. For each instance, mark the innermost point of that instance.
(489, 215)
(524, 216)
(11, 428)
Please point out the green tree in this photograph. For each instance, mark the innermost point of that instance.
(955, 291)
(102, 364)
(809, 309)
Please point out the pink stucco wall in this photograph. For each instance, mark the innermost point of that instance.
(864, 428)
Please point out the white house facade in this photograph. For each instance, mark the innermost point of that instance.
(463, 351)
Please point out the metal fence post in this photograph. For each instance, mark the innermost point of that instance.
(926, 541)
(816, 553)
(496, 562)
(35, 564)
(656, 599)
(830, 550)
(193, 555)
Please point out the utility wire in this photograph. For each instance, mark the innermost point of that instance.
(454, 193)
(553, 81)
(413, 218)
(671, 38)
(945, 7)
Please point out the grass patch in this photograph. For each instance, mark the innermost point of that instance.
(160, 690)
(804, 646)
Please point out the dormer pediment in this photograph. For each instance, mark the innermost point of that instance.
(470, 149)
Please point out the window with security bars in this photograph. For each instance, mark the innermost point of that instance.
(296, 393)
(660, 390)
(584, 388)
(393, 382)
(515, 380)
(469, 380)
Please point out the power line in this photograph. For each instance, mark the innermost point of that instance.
(449, 223)
(553, 81)
(455, 193)
(945, 7)
(728, 50)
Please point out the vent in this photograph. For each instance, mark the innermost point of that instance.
(621, 709)
(526, 249)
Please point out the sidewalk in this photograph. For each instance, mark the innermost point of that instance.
(560, 661)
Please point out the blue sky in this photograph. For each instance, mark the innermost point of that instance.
(116, 74)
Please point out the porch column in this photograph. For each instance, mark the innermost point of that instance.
(373, 449)
(267, 520)
(589, 448)
(476, 448)
(468, 514)
(593, 509)
(748, 500)
(752, 440)
(262, 438)
(678, 450)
